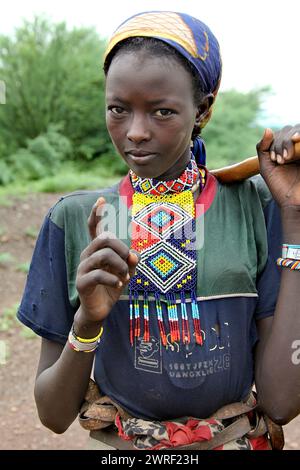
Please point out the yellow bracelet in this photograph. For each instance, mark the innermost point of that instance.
(90, 340)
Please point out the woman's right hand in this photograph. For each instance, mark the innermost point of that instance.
(106, 266)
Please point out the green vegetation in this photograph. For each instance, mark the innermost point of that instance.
(4, 193)
(23, 267)
(233, 132)
(54, 109)
(52, 75)
(32, 232)
(8, 320)
(6, 258)
(27, 333)
(70, 178)
(53, 136)
(75, 175)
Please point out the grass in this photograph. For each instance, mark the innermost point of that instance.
(32, 232)
(72, 182)
(2, 231)
(23, 267)
(71, 177)
(27, 333)
(8, 320)
(4, 201)
(6, 258)
(4, 352)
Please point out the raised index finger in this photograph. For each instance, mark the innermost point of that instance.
(94, 220)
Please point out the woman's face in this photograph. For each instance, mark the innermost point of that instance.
(150, 113)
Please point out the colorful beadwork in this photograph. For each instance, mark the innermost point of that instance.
(289, 263)
(158, 188)
(291, 251)
(163, 232)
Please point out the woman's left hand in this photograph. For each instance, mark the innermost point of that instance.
(280, 167)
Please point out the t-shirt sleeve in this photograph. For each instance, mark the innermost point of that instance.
(269, 280)
(45, 305)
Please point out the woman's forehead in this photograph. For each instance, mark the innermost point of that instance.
(150, 76)
(143, 59)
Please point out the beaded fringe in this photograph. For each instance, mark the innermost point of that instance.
(176, 329)
(164, 234)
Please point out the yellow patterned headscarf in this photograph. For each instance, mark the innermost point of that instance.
(188, 35)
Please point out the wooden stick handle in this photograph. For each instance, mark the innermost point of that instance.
(242, 170)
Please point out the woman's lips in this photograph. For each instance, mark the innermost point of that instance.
(142, 159)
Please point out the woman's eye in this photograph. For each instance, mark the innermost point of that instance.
(163, 112)
(116, 109)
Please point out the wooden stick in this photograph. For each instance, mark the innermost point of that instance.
(242, 170)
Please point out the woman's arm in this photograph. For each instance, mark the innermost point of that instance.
(62, 379)
(277, 374)
(106, 265)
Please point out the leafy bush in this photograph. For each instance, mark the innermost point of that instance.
(233, 132)
(42, 157)
(52, 75)
(113, 162)
(5, 173)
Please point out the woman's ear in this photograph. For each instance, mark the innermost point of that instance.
(204, 109)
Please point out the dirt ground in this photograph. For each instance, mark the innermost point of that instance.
(20, 427)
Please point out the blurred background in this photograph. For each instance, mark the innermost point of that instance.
(53, 140)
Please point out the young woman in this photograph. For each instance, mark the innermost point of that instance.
(183, 286)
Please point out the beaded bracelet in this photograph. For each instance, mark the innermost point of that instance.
(291, 251)
(82, 344)
(289, 263)
(81, 347)
(85, 340)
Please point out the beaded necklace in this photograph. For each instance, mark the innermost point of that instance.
(163, 232)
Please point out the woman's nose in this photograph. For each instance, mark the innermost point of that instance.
(139, 129)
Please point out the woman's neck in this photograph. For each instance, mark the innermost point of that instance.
(177, 169)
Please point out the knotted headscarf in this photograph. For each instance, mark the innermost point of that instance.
(191, 38)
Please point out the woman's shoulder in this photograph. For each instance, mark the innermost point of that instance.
(259, 185)
(70, 205)
(250, 191)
